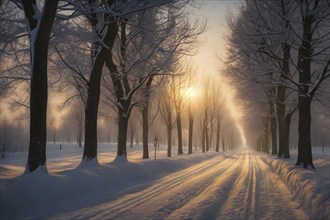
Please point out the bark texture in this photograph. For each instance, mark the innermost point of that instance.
(304, 98)
(39, 42)
(191, 127)
(145, 128)
(93, 96)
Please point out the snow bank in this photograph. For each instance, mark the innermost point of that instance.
(308, 187)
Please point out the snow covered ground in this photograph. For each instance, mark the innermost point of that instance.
(241, 184)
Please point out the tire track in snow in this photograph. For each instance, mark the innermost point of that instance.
(249, 191)
(181, 211)
(252, 197)
(241, 186)
(263, 196)
(201, 206)
(124, 205)
(175, 193)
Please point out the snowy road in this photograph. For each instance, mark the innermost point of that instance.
(241, 186)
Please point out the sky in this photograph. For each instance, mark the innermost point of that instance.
(207, 60)
(215, 12)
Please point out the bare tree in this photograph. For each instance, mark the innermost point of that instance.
(145, 119)
(132, 130)
(266, 60)
(219, 111)
(178, 85)
(191, 128)
(205, 116)
(39, 28)
(104, 19)
(273, 122)
(191, 81)
(53, 129)
(314, 17)
(99, 54)
(147, 47)
(166, 113)
(78, 118)
(289, 37)
(212, 115)
(132, 68)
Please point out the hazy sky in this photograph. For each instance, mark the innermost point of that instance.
(207, 60)
(215, 12)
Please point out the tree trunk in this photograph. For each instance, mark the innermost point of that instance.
(287, 137)
(179, 128)
(80, 139)
(132, 132)
(145, 131)
(304, 98)
(304, 143)
(78, 116)
(283, 132)
(281, 95)
(207, 140)
(91, 110)
(169, 126)
(203, 138)
(122, 134)
(281, 119)
(132, 140)
(223, 145)
(217, 145)
(273, 122)
(39, 81)
(273, 128)
(266, 141)
(191, 125)
(229, 143)
(169, 140)
(273, 134)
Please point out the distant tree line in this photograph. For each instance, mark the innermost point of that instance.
(279, 51)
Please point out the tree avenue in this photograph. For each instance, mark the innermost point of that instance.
(123, 50)
(282, 48)
(120, 70)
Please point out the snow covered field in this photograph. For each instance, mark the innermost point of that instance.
(241, 184)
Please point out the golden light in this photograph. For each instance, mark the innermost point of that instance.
(192, 92)
(233, 108)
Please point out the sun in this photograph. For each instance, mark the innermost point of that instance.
(191, 92)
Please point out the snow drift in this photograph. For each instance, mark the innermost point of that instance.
(309, 188)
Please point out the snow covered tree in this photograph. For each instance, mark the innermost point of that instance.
(149, 43)
(106, 27)
(105, 20)
(178, 86)
(314, 51)
(261, 43)
(290, 37)
(39, 22)
(132, 67)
